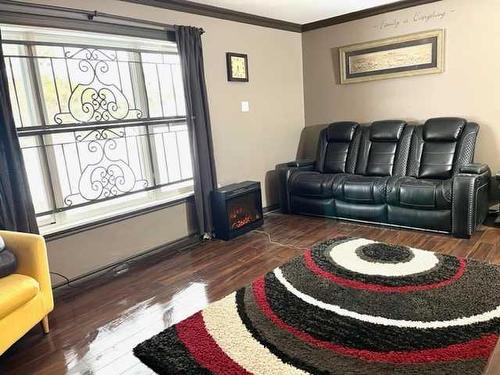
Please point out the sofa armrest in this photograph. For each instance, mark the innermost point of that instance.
(474, 168)
(470, 198)
(31, 254)
(285, 170)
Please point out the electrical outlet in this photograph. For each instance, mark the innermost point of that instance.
(245, 106)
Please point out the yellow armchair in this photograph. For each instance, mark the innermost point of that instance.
(25, 296)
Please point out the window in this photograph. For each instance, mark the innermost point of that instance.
(101, 121)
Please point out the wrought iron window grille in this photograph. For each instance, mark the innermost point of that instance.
(97, 123)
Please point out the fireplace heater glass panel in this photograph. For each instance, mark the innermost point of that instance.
(243, 210)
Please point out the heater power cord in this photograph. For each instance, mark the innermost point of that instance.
(273, 242)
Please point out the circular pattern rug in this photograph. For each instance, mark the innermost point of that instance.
(347, 306)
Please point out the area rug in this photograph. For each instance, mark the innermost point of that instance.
(347, 306)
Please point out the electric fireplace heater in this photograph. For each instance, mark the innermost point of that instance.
(237, 209)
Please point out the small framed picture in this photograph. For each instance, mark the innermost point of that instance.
(237, 67)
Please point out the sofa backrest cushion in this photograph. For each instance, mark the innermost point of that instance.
(384, 148)
(389, 130)
(338, 147)
(341, 131)
(443, 129)
(440, 146)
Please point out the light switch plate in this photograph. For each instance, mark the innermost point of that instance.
(245, 107)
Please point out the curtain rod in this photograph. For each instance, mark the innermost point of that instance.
(91, 15)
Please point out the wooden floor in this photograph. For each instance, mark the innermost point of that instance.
(95, 326)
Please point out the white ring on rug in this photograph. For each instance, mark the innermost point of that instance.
(483, 317)
(224, 325)
(344, 254)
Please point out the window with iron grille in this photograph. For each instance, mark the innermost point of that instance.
(101, 120)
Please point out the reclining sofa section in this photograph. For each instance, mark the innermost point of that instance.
(392, 173)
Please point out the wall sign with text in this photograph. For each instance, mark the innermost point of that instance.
(407, 55)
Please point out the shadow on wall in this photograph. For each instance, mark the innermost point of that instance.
(308, 143)
(272, 189)
(336, 65)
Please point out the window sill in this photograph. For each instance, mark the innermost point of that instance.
(53, 232)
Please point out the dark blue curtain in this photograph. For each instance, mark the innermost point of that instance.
(198, 119)
(16, 207)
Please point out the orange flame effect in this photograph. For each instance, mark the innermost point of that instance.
(239, 217)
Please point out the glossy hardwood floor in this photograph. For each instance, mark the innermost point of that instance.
(95, 326)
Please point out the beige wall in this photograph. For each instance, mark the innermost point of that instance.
(87, 251)
(469, 87)
(247, 145)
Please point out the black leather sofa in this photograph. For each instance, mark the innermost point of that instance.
(390, 172)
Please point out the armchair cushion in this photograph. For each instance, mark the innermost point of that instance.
(15, 291)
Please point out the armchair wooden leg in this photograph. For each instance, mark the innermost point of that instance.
(45, 324)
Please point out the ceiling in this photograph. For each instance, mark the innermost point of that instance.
(296, 11)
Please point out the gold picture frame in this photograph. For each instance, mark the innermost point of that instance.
(402, 56)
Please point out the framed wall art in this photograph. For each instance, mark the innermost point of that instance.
(237, 67)
(407, 55)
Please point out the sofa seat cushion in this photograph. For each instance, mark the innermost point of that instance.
(15, 291)
(421, 194)
(362, 189)
(313, 184)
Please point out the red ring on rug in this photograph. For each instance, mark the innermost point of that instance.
(204, 349)
(316, 269)
(477, 348)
